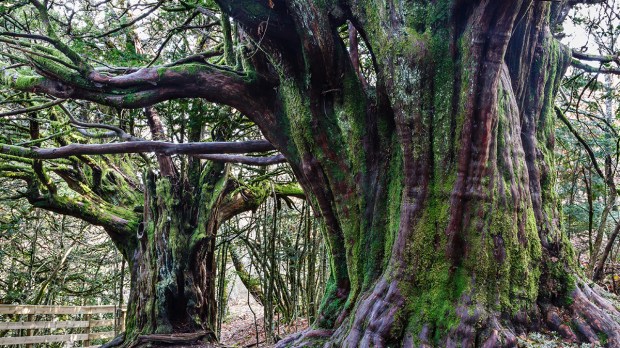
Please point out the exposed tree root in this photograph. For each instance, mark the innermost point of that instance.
(117, 341)
(372, 326)
(478, 328)
(305, 338)
(556, 323)
(587, 317)
(594, 317)
(375, 317)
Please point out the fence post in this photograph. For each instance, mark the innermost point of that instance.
(122, 319)
(87, 330)
(30, 331)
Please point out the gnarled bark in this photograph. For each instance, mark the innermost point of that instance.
(173, 266)
(437, 191)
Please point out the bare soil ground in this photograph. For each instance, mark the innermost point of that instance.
(242, 328)
(244, 323)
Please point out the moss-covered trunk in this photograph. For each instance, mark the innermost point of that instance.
(435, 184)
(173, 267)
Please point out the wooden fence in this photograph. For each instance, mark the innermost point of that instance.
(41, 319)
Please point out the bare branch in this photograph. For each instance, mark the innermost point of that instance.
(102, 135)
(138, 147)
(595, 58)
(576, 134)
(28, 36)
(117, 131)
(249, 160)
(32, 109)
(137, 19)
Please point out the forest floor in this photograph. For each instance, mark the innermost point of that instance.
(549, 340)
(244, 323)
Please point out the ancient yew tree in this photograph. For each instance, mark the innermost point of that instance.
(433, 172)
(164, 222)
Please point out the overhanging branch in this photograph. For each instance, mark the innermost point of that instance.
(139, 147)
(585, 145)
(149, 86)
(588, 68)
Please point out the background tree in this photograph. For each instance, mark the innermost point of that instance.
(588, 99)
(39, 252)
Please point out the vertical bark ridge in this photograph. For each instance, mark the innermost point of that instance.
(490, 28)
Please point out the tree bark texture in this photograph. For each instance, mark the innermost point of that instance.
(173, 266)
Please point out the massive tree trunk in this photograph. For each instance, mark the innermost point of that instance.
(437, 185)
(170, 250)
(173, 267)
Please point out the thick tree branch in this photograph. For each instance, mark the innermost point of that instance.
(121, 223)
(139, 146)
(148, 86)
(157, 131)
(249, 197)
(354, 54)
(268, 17)
(595, 58)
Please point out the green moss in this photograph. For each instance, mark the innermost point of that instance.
(394, 201)
(22, 83)
(331, 305)
(429, 87)
(342, 128)
(61, 72)
(17, 151)
(437, 287)
(213, 181)
(131, 322)
(602, 338)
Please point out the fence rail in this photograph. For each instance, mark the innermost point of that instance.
(83, 326)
